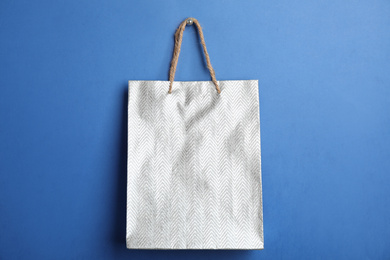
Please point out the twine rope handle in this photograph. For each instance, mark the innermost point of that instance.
(176, 52)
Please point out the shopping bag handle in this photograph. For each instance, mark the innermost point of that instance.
(176, 52)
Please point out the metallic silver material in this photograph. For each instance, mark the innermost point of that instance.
(194, 168)
(190, 21)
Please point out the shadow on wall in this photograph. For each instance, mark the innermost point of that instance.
(119, 226)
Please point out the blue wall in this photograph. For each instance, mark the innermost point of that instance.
(324, 76)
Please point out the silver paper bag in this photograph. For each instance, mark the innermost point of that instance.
(194, 170)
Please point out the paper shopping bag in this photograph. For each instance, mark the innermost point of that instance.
(194, 169)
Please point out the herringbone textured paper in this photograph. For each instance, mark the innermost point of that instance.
(194, 173)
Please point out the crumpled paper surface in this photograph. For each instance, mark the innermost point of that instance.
(194, 166)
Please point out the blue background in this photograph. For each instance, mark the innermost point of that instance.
(324, 81)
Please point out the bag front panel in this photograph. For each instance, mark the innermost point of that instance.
(194, 168)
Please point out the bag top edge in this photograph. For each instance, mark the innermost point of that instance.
(190, 81)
